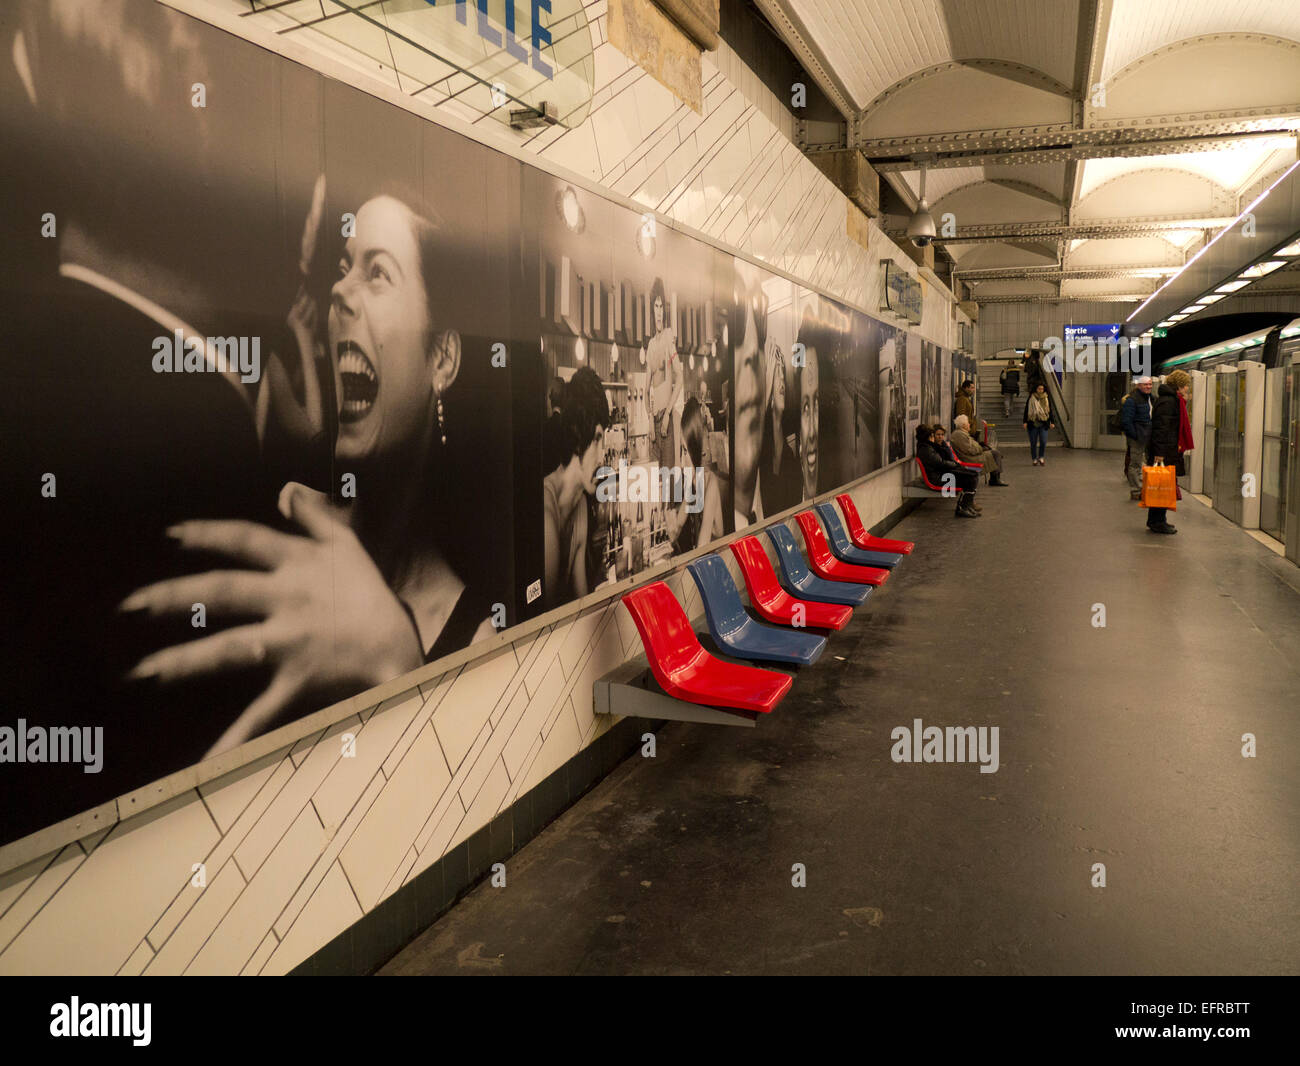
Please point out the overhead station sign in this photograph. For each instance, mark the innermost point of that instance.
(517, 53)
(900, 293)
(1106, 331)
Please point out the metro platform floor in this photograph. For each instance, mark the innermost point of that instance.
(1119, 745)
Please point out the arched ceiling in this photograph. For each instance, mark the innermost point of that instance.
(1081, 148)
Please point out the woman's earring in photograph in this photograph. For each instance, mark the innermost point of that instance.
(442, 422)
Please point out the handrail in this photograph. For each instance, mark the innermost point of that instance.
(1060, 408)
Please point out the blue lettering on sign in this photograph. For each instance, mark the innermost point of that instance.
(1103, 331)
(513, 46)
(540, 34)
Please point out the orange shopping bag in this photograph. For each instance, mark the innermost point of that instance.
(1159, 487)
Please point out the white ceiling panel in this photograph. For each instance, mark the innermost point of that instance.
(1230, 169)
(870, 44)
(1141, 26)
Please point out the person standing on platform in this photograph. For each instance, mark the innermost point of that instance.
(1171, 436)
(965, 405)
(1010, 382)
(1135, 418)
(1038, 420)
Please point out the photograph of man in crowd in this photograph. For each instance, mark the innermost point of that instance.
(893, 393)
(633, 346)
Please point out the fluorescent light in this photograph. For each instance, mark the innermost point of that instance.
(1231, 286)
(1291, 249)
(1176, 318)
(1214, 297)
(1166, 322)
(1260, 269)
(1191, 309)
(1210, 243)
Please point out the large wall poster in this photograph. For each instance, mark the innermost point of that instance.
(258, 455)
(931, 390)
(948, 392)
(914, 345)
(761, 338)
(635, 459)
(306, 392)
(892, 362)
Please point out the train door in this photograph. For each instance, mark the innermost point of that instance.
(1291, 450)
(1229, 442)
(1275, 457)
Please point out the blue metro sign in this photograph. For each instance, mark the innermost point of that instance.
(1106, 331)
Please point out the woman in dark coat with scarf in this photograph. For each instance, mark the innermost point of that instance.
(938, 466)
(1171, 435)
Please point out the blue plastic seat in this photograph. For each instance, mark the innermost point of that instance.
(845, 549)
(736, 632)
(801, 581)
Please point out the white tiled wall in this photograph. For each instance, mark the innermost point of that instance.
(300, 845)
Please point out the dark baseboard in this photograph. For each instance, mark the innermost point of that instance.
(379, 935)
(895, 516)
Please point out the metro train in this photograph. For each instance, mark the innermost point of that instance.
(1275, 346)
(1246, 421)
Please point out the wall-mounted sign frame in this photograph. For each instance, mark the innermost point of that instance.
(900, 293)
(519, 54)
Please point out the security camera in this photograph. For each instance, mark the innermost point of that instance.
(920, 227)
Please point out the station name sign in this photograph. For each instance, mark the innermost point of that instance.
(537, 53)
(900, 293)
(1106, 331)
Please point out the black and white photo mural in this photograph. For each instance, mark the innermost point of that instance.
(306, 392)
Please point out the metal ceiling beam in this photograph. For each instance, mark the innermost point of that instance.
(1054, 144)
(1101, 228)
(798, 40)
(1055, 273)
(1048, 297)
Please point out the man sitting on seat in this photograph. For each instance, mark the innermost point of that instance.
(969, 450)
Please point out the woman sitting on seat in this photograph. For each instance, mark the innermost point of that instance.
(938, 467)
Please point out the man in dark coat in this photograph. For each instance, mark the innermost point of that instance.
(1135, 419)
(1163, 442)
(1009, 379)
(965, 405)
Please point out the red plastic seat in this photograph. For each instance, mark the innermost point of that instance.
(771, 601)
(823, 562)
(685, 670)
(925, 478)
(859, 533)
(952, 454)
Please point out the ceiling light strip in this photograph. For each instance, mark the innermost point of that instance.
(1210, 244)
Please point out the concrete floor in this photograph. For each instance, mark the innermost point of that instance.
(1119, 745)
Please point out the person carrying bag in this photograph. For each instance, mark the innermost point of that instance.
(1171, 435)
(1159, 486)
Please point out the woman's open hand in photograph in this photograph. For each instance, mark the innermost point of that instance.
(327, 618)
